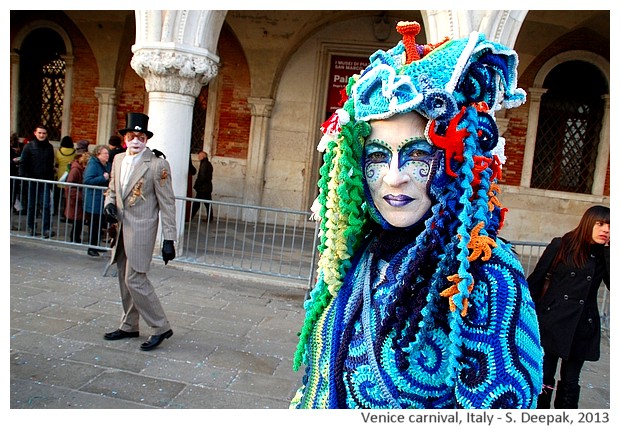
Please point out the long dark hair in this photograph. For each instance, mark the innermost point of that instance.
(575, 248)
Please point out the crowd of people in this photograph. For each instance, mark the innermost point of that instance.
(72, 164)
(34, 157)
(76, 163)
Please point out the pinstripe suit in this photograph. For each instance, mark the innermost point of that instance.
(147, 197)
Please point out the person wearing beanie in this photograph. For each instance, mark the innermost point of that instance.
(418, 302)
(64, 156)
(82, 146)
(115, 145)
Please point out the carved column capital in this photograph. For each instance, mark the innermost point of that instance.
(261, 106)
(166, 70)
(105, 95)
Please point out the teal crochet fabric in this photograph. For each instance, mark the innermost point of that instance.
(498, 366)
(438, 314)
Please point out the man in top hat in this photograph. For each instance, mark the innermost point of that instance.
(140, 193)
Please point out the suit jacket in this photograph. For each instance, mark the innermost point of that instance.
(147, 198)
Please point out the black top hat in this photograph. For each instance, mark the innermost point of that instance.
(137, 122)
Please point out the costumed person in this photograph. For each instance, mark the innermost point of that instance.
(140, 194)
(418, 303)
(567, 304)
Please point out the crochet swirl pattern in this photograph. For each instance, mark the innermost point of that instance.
(444, 319)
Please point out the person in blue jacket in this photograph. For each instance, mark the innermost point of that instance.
(97, 173)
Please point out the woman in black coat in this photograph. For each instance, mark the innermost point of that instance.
(568, 315)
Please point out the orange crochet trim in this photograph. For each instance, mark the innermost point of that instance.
(432, 46)
(409, 29)
(453, 290)
(494, 189)
(481, 106)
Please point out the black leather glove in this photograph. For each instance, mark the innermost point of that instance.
(110, 211)
(167, 251)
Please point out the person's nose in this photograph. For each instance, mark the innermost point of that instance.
(395, 177)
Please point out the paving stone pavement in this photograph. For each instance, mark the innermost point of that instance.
(234, 337)
(232, 348)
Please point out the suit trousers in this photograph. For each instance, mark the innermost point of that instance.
(138, 297)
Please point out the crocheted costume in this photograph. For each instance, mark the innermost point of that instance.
(437, 315)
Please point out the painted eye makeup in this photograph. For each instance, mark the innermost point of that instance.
(413, 149)
(377, 153)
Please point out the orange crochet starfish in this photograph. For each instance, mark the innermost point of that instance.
(480, 244)
(494, 189)
(453, 290)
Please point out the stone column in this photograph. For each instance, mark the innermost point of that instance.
(535, 96)
(67, 97)
(255, 169)
(602, 158)
(174, 78)
(14, 91)
(107, 114)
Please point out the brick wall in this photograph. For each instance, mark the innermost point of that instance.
(515, 145)
(132, 96)
(84, 105)
(233, 117)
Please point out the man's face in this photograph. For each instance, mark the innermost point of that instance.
(136, 142)
(40, 134)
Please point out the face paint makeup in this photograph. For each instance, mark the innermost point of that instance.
(397, 164)
(136, 142)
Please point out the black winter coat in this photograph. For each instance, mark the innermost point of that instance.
(37, 160)
(204, 180)
(568, 315)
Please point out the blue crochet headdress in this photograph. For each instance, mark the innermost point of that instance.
(457, 85)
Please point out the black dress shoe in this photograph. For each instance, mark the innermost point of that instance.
(92, 252)
(119, 334)
(155, 340)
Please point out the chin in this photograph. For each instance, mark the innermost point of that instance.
(403, 222)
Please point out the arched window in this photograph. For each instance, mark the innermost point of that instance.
(41, 82)
(569, 128)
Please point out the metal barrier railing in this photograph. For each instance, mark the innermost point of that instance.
(52, 224)
(230, 236)
(250, 238)
(253, 239)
